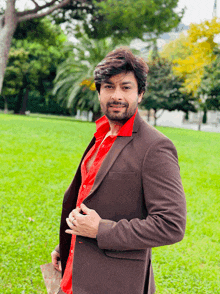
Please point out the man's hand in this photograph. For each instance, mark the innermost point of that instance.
(55, 260)
(86, 224)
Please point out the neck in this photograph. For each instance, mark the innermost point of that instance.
(115, 127)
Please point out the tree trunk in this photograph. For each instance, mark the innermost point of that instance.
(160, 114)
(7, 28)
(19, 101)
(24, 102)
(148, 115)
(6, 105)
(204, 118)
(200, 121)
(155, 53)
(155, 117)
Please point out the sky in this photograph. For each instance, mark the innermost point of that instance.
(198, 10)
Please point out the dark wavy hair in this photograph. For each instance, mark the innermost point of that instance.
(118, 61)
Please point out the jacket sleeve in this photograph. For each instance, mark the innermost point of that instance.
(165, 202)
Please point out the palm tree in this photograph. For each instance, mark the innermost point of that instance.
(74, 83)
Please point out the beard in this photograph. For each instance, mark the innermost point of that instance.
(121, 116)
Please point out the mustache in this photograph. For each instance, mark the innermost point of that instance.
(117, 103)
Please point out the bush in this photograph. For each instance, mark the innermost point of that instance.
(37, 104)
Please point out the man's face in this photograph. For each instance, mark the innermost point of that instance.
(119, 97)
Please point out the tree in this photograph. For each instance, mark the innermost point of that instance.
(164, 89)
(210, 85)
(176, 49)
(32, 65)
(132, 18)
(129, 18)
(11, 17)
(200, 41)
(74, 83)
(197, 53)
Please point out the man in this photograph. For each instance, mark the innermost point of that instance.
(126, 196)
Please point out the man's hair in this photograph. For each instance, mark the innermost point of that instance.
(118, 61)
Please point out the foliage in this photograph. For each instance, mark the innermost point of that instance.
(11, 15)
(200, 42)
(13, 75)
(74, 10)
(176, 49)
(128, 18)
(210, 85)
(74, 83)
(40, 30)
(164, 89)
(35, 104)
(132, 18)
(38, 161)
(32, 65)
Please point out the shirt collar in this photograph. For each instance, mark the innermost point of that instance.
(102, 127)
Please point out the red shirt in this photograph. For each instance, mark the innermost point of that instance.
(88, 179)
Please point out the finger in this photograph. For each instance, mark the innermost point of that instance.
(71, 232)
(85, 209)
(71, 224)
(60, 267)
(75, 212)
(72, 219)
(55, 263)
(57, 268)
(55, 253)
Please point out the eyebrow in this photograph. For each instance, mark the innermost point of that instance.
(123, 83)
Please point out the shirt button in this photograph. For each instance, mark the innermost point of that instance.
(84, 186)
(71, 251)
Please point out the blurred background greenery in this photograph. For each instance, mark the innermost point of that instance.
(52, 58)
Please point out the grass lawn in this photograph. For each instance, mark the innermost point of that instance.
(38, 160)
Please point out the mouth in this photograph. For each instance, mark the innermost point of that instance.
(117, 106)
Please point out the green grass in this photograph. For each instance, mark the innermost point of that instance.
(38, 160)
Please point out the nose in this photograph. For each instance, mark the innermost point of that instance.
(117, 94)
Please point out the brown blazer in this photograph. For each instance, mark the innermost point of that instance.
(139, 196)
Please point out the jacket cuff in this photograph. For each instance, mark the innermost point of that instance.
(105, 226)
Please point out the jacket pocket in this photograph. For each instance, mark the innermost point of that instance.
(128, 254)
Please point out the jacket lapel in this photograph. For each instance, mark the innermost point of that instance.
(112, 155)
(110, 158)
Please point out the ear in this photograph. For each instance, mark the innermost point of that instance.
(140, 97)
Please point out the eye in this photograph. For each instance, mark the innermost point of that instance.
(127, 87)
(108, 87)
